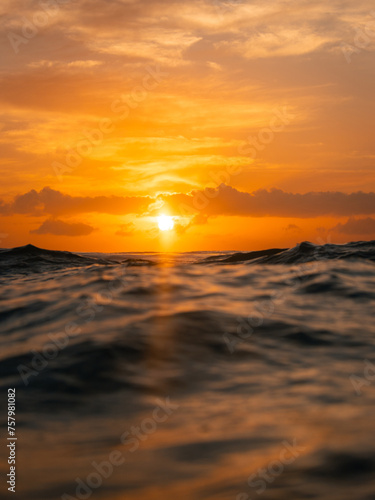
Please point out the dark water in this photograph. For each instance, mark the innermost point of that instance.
(198, 375)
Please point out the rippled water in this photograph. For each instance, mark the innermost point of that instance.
(267, 359)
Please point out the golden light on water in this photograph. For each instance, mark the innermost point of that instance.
(165, 223)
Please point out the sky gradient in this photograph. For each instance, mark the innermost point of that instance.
(250, 123)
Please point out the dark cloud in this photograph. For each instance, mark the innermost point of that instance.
(292, 228)
(356, 226)
(226, 200)
(198, 219)
(61, 228)
(52, 202)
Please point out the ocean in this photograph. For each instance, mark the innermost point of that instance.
(203, 375)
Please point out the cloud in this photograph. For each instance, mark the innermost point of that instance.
(198, 219)
(126, 230)
(52, 202)
(74, 64)
(356, 226)
(61, 228)
(222, 201)
(293, 228)
(281, 42)
(226, 200)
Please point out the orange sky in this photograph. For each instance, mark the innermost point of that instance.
(249, 122)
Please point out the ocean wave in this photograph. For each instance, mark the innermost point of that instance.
(31, 259)
(252, 355)
(302, 253)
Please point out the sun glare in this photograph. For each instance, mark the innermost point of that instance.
(165, 222)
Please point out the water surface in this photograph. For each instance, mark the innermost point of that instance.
(266, 359)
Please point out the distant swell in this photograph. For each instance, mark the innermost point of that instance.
(303, 252)
(29, 259)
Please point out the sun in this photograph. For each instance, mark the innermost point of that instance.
(165, 223)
